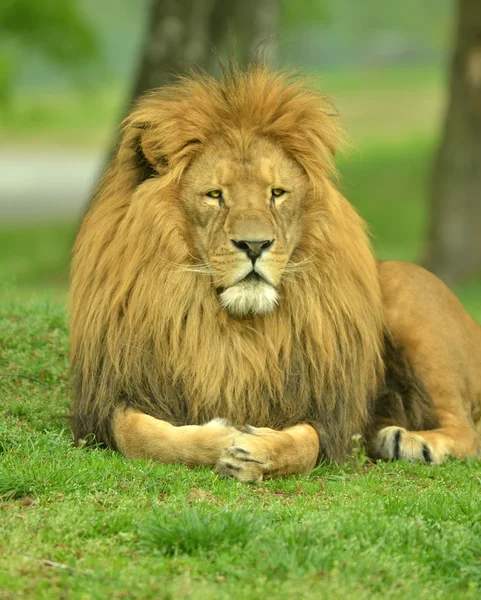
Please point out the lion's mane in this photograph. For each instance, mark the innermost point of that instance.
(148, 332)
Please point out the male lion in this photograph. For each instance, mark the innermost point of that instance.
(226, 306)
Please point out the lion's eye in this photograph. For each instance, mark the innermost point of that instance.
(214, 194)
(277, 192)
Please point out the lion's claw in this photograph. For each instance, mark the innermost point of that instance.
(240, 463)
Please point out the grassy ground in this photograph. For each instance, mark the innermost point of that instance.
(84, 524)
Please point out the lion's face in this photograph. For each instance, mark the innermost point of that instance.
(244, 204)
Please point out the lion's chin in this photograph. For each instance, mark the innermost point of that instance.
(249, 297)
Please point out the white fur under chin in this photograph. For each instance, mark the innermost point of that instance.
(250, 297)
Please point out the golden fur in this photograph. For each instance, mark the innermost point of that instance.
(149, 335)
(148, 332)
(442, 343)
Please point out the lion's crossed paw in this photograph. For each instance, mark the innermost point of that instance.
(247, 459)
(398, 443)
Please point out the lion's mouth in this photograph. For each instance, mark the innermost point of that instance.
(249, 296)
(253, 276)
(250, 279)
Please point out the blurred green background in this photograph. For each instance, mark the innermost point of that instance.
(67, 70)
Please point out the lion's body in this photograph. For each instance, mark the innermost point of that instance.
(442, 343)
(157, 301)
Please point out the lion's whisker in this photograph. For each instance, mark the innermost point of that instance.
(301, 262)
(200, 271)
(199, 263)
(289, 276)
(200, 267)
(293, 269)
(192, 270)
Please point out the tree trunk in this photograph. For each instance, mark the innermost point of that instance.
(257, 23)
(184, 33)
(178, 37)
(454, 251)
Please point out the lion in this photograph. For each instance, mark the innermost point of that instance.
(227, 308)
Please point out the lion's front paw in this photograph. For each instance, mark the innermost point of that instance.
(398, 443)
(247, 459)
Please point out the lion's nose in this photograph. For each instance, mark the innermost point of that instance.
(253, 248)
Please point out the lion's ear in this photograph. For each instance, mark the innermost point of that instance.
(149, 158)
(151, 151)
(140, 150)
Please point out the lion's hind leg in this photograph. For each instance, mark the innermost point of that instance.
(428, 404)
(409, 422)
(138, 435)
(397, 443)
(432, 447)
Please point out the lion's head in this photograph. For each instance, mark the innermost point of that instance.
(244, 202)
(219, 273)
(236, 151)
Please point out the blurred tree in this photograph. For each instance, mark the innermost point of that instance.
(186, 32)
(178, 34)
(56, 29)
(254, 23)
(454, 251)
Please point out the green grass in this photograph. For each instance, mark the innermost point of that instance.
(387, 184)
(51, 118)
(86, 523)
(35, 258)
